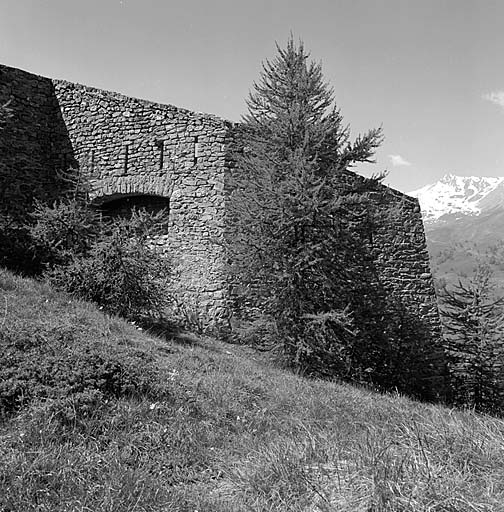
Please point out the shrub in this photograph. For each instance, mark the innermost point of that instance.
(109, 262)
(121, 273)
(57, 363)
(64, 230)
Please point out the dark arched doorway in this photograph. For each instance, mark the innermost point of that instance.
(121, 207)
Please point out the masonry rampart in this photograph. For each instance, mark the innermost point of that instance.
(402, 266)
(32, 142)
(136, 148)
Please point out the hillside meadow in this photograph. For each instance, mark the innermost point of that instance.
(98, 415)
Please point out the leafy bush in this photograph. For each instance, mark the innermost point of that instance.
(109, 262)
(59, 363)
(64, 230)
(15, 242)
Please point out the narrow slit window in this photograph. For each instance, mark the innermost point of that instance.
(160, 145)
(126, 158)
(196, 151)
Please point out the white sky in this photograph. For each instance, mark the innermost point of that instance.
(430, 71)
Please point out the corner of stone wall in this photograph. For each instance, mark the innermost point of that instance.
(403, 261)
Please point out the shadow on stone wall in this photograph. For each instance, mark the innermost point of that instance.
(394, 347)
(35, 148)
(397, 344)
(399, 348)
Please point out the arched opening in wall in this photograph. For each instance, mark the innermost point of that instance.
(123, 206)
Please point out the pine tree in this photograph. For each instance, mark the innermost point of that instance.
(292, 113)
(299, 237)
(473, 319)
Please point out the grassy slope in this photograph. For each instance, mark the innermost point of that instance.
(233, 433)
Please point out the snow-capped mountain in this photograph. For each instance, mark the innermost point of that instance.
(464, 223)
(454, 196)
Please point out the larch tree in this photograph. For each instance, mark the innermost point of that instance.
(298, 244)
(473, 320)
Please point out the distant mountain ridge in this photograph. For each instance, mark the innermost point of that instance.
(464, 223)
(455, 196)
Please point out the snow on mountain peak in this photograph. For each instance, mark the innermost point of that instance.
(464, 195)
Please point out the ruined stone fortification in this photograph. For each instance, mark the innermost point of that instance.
(133, 148)
(141, 152)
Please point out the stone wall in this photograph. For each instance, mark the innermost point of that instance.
(136, 148)
(130, 147)
(403, 268)
(32, 141)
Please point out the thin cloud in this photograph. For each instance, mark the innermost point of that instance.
(496, 97)
(399, 161)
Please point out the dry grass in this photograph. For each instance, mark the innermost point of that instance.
(235, 433)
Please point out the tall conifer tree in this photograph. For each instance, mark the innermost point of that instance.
(299, 233)
(473, 318)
